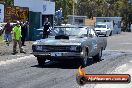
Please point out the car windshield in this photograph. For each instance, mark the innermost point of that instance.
(100, 26)
(70, 31)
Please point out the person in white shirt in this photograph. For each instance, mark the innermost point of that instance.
(131, 26)
(1, 30)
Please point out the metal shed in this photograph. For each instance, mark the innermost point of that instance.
(76, 20)
(116, 23)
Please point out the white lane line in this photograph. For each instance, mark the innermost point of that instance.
(123, 51)
(127, 43)
(121, 68)
(116, 50)
(15, 60)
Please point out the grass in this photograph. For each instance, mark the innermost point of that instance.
(1, 38)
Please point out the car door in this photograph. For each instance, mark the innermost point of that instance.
(94, 42)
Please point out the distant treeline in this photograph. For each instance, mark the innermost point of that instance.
(96, 8)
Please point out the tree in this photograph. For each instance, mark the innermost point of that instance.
(9, 2)
(66, 6)
(95, 8)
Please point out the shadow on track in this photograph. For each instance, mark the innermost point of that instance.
(64, 64)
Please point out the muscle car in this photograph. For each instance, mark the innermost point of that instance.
(69, 42)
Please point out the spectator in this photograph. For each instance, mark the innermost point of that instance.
(131, 26)
(46, 28)
(24, 29)
(17, 38)
(7, 34)
(1, 30)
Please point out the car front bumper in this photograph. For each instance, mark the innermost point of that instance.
(67, 55)
(101, 33)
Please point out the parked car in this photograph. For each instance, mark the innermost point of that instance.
(70, 42)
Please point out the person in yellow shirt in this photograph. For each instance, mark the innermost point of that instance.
(17, 38)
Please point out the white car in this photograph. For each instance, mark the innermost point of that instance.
(103, 29)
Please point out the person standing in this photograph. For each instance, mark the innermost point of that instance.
(131, 26)
(46, 28)
(1, 30)
(24, 29)
(17, 38)
(7, 34)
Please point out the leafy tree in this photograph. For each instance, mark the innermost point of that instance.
(9, 2)
(91, 8)
(66, 6)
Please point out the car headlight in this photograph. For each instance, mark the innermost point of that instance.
(40, 48)
(35, 43)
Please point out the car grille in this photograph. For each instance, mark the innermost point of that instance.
(53, 49)
(58, 48)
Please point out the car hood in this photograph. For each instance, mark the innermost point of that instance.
(51, 41)
(101, 29)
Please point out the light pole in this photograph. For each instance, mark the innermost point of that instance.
(73, 14)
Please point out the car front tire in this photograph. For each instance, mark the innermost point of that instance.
(41, 61)
(110, 33)
(106, 35)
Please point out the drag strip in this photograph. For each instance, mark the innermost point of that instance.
(25, 73)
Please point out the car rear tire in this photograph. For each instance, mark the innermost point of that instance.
(84, 59)
(97, 57)
(41, 61)
(105, 34)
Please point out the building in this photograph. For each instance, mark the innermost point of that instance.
(76, 20)
(116, 21)
(38, 11)
(1, 13)
(90, 22)
(42, 8)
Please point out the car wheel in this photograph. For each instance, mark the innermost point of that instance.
(97, 57)
(105, 35)
(41, 61)
(84, 59)
(111, 33)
